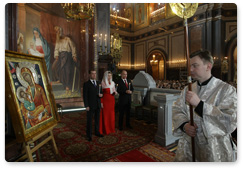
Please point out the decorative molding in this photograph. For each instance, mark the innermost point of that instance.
(205, 13)
(157, 43)
(230, 30)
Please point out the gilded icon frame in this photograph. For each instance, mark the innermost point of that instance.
(28, 95)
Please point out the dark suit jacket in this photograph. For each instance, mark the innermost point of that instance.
(91, 95)
(124, 98)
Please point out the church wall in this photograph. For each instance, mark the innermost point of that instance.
(211, 28)
(125, 62)
(140, 55)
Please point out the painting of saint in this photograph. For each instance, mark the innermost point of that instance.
(32, 50)
(42, 46)
(65, 68)
(34, 105)
(139, 14)
(20, 43)
(59, 42)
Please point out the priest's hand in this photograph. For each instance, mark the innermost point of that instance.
(87, 108)
(190, 130)
(100, 95)
(192, 98)
(102, 105)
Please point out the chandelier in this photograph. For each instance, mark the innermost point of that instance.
(116, 47)
(78, 11)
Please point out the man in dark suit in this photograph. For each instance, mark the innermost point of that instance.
(92, 92)
(125, 90)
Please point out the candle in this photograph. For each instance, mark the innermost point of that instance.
(111, 40)
(105, 40)
(129, 86)
(100, 39)
(99, 88)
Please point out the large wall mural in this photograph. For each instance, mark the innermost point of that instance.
(56, 39)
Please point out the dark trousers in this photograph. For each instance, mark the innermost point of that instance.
(125, 108)
(66, 69)
(90, 114)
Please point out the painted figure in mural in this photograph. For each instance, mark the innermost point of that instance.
(215, 115)
(20, 43)
(32, 50)
(42, 47)
(139, 14)
(64, 66)
(28, 102)
(34, 104)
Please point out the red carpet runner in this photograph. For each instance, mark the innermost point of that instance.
(134, 156)
(151, 152)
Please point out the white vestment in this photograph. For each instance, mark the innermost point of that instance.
(213, 139)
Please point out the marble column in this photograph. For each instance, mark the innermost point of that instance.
(164, 135)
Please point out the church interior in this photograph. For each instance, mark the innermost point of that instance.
(145, 39)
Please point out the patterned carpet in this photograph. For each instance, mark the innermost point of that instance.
(72, 144)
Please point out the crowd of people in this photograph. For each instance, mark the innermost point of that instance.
(171, 84)
(178, 85)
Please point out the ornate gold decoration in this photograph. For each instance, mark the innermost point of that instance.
(116, 47)
(184, 10)
(78, 11)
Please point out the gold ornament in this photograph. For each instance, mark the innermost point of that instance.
(184, 10)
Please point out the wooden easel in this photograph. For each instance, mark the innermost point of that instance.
(29, 151)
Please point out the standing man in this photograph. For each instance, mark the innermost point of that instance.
(215, 106)
(92, 92)
(125, 90)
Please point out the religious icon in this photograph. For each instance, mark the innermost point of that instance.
(33, 105)
(139, 16)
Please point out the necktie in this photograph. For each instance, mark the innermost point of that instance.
(94, 83)
(126, 83)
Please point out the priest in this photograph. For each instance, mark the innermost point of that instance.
(215, 106)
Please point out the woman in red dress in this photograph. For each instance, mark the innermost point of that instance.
(107, 112)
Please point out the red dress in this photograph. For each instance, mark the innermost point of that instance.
(107, 114)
